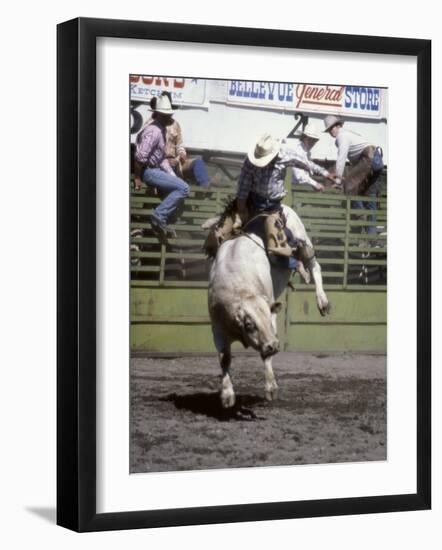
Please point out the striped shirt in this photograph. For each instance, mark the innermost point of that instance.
(151, 148)
(302, 175)
(174, 139)
(268, 181)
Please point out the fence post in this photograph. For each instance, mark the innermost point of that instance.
(162, 264)
(347, 239)
(289, 200)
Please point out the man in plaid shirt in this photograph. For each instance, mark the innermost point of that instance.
(264, 169)
(261, 188)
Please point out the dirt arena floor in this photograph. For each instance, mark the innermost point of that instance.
(331, 408)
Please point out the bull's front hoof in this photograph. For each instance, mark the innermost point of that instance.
(271, 393)
(227, 399)
(324, 306)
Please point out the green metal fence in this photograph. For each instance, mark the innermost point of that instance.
(168, 283)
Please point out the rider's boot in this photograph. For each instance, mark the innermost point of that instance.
(276, 239)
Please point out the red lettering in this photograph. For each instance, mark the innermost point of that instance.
(336, 94)
(158, 81)
(318, 94)
(300, 88)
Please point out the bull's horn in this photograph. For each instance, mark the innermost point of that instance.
(276, 307)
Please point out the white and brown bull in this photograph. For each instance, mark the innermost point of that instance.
(243, 287)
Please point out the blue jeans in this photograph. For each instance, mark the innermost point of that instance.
(283, 262)
(173, 189)
(200, 173)
(259, 203)
(371, 205)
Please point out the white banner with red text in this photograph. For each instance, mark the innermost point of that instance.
(184, 91)
(351, 101)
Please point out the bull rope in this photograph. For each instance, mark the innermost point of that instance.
(242, 232)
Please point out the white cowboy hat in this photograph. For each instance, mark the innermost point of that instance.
(264, 150)
(311, 131)
(330, 121)
(153, 101)
(163, 106)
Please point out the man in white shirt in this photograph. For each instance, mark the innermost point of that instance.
(303, 174)
(361, 178)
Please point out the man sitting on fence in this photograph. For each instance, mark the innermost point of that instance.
(152, 166)
(190, 170)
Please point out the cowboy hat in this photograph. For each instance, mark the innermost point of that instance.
(330, 121)
(162, 105)
(264, 150)
(153, 101)
(311, 131)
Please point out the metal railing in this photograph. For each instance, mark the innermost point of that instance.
(350, 257)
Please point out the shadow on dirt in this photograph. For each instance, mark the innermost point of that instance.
(209, 404)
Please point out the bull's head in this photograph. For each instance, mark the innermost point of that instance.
(254, 319)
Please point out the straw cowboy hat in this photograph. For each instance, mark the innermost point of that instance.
(162, 105)
(330, 121)
(311, 131)
(153, 101)
(264, 150)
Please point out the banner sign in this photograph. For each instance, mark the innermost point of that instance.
(184, 91)
(277, 95)
(355, 101)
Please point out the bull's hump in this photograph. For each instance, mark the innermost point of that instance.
(238, 281)
(241, 264)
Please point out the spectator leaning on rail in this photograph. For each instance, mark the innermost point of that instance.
(153, 167)
(191, 170)
(366, 165)
(302, 175)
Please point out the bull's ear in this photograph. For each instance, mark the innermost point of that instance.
(276, 307)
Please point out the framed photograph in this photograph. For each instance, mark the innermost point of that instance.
(243, 274)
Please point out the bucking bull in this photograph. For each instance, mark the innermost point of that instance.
(243, 287)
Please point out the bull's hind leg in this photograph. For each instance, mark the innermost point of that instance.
(271, 387)
(223, 346)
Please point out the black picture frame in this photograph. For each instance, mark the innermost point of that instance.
(76, 274)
